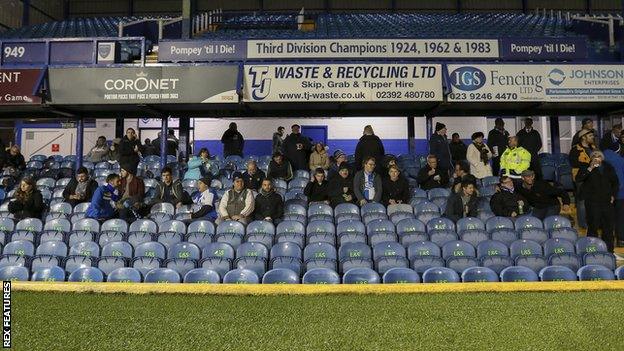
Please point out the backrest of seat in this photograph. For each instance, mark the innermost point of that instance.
(518, 274)
(20, 248)
(426, 206)
(253, 249)
(320, 251)
(399, 208)
(202, 226)
(479, 274)
(117, 249)
(85, 248)
(354, 251)
(437, 193)
(290, 227)
(320, 227)
(346, 208)
(557, 273)
(553, 222)
(52, 248)
(595, 272)
(524, 247)
(321, 276)
(184, 250)
(423, 248)
(87, 225)
(241, 276)
(380, 226)
(564, 233)
(81, 207)
(388, 249)
(469, 223)
(440, 275)
(260, 227)
(162, 275)
(361, 275)
(410, 225)
(558, 246)
(589, 244)
(286, 249)
(458, 248)
(163, 207)
(295, 209)
(498, 223)
(373, 207)
(150, 249)
(174, 226)
(33, 225)
(320, 209)
(6, 225)
(115, 225)
(144, 225)
(59, 225)
(492, 248)
(231, 227)
(218, 250)
(441, 223)
(61, 207)
(351, 226)
(526, 221)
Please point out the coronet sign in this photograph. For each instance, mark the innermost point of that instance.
(182, 84)
(547, 83)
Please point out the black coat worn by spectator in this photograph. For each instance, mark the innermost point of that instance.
(458, 151)
(16, 161)
(127, 155)
(268, 205)
(369, 146)
(298, 157)
(497, 140)
(339, 188)
(70, 189)
(439, 147)
(608, 143)
(455, 209)
(171, 146)
(532, 141)
(283, 171)
(599, 185)
(32, 208)
(427, 182)
(233, 143)
(396, 190)
(504, 203)
(543, 195)
(254, 182)
(317, 192)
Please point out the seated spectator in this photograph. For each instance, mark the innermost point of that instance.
(514, 160)
(170, 191)
(462, 204)
(461, 170)
(196, 164)
(395, 188)
(101, 207)
(148, 149)
(458, 149)
(27, 201)
(340, 158)
(15, 158)
(99, 152)
(80, 189)
(507, 202)
(319, 158)
(269, 205)
(611, 139)
(253, 176)
(279, 168)
(131, 194)
(479, 156)
(367, 184)
(317, 189)
(431, 176)
(542, 197)
(237, 204)
(206, 198)
(341, 187)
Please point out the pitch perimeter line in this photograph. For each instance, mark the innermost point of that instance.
(291, 289)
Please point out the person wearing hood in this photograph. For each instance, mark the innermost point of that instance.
(296, 149)
(237, 204)
(279, 168)
(395, 188)
(269, 205)
(196, 163)
(479, 155)
(616, 161)
(27, 201)
(99, 152)
(497, 141)
(507, 202)
(101, 207)
(340, 160)
(369, 145)
(233, 141)
(131, 193)
(317, 189)
(80, 188)
(439, 147)
(206, 198)
(319, 158)
(129, 150)
(341, 187)
(170, 191)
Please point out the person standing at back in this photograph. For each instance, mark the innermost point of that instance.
(497, 141)
(479, 156)
(613, 158)
(611, 139)
(458, 149)
(278, 140)
(439, 147)
(296, 148)
(233, 141)
(588, 125)
(531, 140)
(369, 146)
(129, 153)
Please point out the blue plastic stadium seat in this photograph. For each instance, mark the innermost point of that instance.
(202, 275)
(321, 276)
(320, 255)
(478, 274)
(351, 231)
(361, 275)
(411, 230)
(14, 273)
(518, 274)
(162, 275)
(595, 273)
(241, 276)
(280, 276)
(440, 275)
(48, 274)
(557, 273)
(89, 274)
(124, 275)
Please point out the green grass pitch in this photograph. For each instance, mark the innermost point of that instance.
(453, 321)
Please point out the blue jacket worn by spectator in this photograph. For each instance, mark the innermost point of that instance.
(101, 206)
(439, 146)
(617, 162)
(208, 209)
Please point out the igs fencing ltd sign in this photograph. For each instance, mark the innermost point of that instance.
(540, 83)
(343, 82)
(166, 85)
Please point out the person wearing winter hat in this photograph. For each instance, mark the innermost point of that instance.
(237, 204)
(340, 160)
(439, 147)
(479, 155)
(205, 198)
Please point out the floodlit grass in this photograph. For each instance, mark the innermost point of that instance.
(454, 321)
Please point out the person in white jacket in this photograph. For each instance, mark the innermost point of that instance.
(479, 155)
(237, 204)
